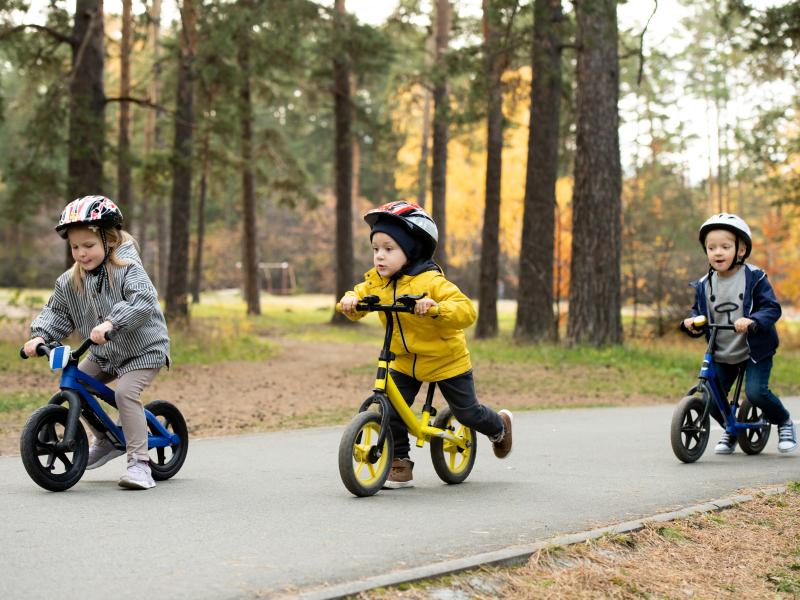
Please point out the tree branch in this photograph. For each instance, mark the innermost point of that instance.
(57, 35)
(140, 101)
(641, 43)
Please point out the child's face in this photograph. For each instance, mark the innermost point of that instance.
(86, 246)
(721, 249)
(387, 256)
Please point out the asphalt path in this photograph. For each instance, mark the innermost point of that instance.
(266, 515)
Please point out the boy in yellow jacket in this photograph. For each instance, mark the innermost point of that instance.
(403, 239)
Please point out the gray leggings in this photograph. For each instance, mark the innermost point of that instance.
(131, 412)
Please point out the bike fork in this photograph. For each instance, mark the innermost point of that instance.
(73, 417)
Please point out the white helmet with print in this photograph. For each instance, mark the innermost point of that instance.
(735, 225)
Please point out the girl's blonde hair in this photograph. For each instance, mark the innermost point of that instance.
(114, 238)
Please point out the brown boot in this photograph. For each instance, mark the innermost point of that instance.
(502, 446)
(401, 475)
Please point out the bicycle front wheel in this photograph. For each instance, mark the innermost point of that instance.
(452, 463)
(689, 432)
(362, 470)
(53, 468)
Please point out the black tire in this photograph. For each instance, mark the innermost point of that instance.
(690, 430)
(52, 469)
(167, 461)
(752, 441)
(453, 464)
(360, 475)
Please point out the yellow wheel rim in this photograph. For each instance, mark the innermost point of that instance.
(457, 458)
(366, 472)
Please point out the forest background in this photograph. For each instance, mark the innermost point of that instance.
(243, 141)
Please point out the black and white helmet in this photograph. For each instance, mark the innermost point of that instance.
(413, 217)
(732, 223)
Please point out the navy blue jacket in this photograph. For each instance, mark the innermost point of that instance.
(760, 305)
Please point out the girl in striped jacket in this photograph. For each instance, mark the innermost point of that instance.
(108, 288)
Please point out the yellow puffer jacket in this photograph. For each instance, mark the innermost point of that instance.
(426, 348)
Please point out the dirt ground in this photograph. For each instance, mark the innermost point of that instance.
(303, 384)
(306, 383)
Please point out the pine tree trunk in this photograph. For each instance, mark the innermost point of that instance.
(197, 265)
(250, 236)
(490, 249)
(344, 164)
(124, 184)
(177, 309)
(440, 134)
(422, 167)
(594, 299)
(152, 142)
(87, 102)
(535, 319)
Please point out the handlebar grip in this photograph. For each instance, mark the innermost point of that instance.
(41, 350)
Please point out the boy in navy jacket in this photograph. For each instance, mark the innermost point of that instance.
(738, 294)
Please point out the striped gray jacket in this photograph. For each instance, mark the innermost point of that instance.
(130, 303)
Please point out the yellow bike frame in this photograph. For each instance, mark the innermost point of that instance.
(420, 427)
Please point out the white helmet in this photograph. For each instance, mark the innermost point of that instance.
(732, 223)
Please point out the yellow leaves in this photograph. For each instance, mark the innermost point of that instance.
(466, 172)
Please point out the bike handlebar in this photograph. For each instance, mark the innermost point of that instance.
(700, 323)
(404, 304)
(44, 349)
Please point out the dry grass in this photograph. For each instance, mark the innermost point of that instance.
(750, 551)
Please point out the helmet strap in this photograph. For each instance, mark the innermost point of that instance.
(102, 272)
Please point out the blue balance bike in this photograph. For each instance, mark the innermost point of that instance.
(690, 421)
(54, 446)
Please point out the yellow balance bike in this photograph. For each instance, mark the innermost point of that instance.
(367, 447)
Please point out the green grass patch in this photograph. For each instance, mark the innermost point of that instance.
(785, 582)
(19, 401)
(672, 534)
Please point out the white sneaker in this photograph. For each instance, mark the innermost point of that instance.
(138, 476)
(101, 452)
(726, 445)
(787, 437)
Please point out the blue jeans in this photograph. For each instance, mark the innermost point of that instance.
(459, 391)
(756, 388)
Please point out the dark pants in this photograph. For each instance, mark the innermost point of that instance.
(459, 391)
(756, 388)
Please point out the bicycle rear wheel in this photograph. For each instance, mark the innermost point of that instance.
(452, 463)
(689, 432)
(166, 461)
(363, 472)
(752, 441)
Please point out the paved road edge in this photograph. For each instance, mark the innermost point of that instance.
(518, 555)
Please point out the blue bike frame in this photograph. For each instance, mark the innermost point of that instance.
(709, 380)
(75, 380)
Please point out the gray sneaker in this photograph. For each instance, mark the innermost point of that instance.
(101, 452)
(726, 445)
(138, 476)
(787, 437)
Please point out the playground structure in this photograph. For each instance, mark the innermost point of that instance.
(278, 278)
